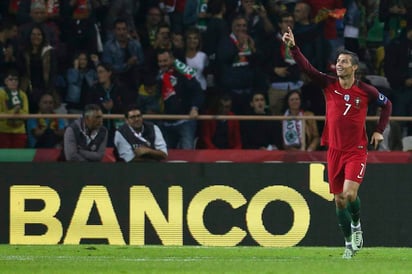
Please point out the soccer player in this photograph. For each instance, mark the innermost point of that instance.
(344, 134)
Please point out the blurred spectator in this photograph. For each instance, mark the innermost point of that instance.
(38, 63)
(260, 134)
(178, 42)
(217, 29)
(45, 132)
(281, 67)
(321, 13)
(85, 139)
(38, 17)
(80, 80)
(398, 70)
(79, 26)
(396, 15)
(149, 99)
(309, 36)
(125, 9)
(220, 134)
(8, 46)
(195, 58)
(13, 101)
(182, 94)
(292, 129)
(147, 31)
(195, 14)
(138, 140)
(111, 96)
(235, 63)
(174, 11)
(125, 54)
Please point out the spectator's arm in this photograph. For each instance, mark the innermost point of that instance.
(71, 152)
(95, 156)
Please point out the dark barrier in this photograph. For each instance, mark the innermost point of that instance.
(267, 204)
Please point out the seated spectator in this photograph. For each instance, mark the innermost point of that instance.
(80, 80)
(221, 134)
(13, 101)
(85, 139)
(45, 132)
(138, 140)
(292, 129)
(39, 64)
(181, 94)
(260, 134)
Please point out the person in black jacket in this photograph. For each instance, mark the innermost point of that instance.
(182, 94)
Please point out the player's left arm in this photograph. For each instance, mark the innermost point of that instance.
(386, 105)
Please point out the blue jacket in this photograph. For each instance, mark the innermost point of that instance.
(114, 55)
(74, 84)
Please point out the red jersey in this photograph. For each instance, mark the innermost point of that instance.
(346, 109)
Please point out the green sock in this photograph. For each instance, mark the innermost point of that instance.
(354, 210)
(344, 220)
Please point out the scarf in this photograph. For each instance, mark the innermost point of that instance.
(13, 98)
(82, 9)
(244, 51)
(202, 22)
(14, 6)
(53, 124)
(292, 130)
(169, 81)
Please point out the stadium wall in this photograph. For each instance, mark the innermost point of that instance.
(209, 204)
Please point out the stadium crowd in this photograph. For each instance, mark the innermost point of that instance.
(195, 57)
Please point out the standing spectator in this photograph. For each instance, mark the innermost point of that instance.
(398, 70)
(13, 101)
(39, 64)
(216, 30)
(85, 139)
(125, 9)
(195, 58)
(80, 80)
(320, 11)
(292, 132)
(138, 140)
(111, 96)
(221, 134)
(260, 134)
(283, 72)
(235, 63)
(395, 15)
(79, 21)
(125, 54)
(195, 14)
(147, 31)
(45, 132)
(182, 94)
(309, 35)
(8, 47)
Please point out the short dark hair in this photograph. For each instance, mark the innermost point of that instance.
(215, 6)
(90, 109)
(354, 56)
(119, 21)
(11, 72)
(129, 108)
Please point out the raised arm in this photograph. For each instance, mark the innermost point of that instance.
(318, 77)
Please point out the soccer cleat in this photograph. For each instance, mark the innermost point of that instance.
(357, 240)
(348, 253)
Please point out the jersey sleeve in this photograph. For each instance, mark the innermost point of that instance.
(382, 101)
(317, 77)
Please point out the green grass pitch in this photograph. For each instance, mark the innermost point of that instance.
(191, 259)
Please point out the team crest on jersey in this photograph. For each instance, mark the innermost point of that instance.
(346, 97)
(357, 102)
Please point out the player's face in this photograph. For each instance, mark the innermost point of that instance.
(344, 66)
